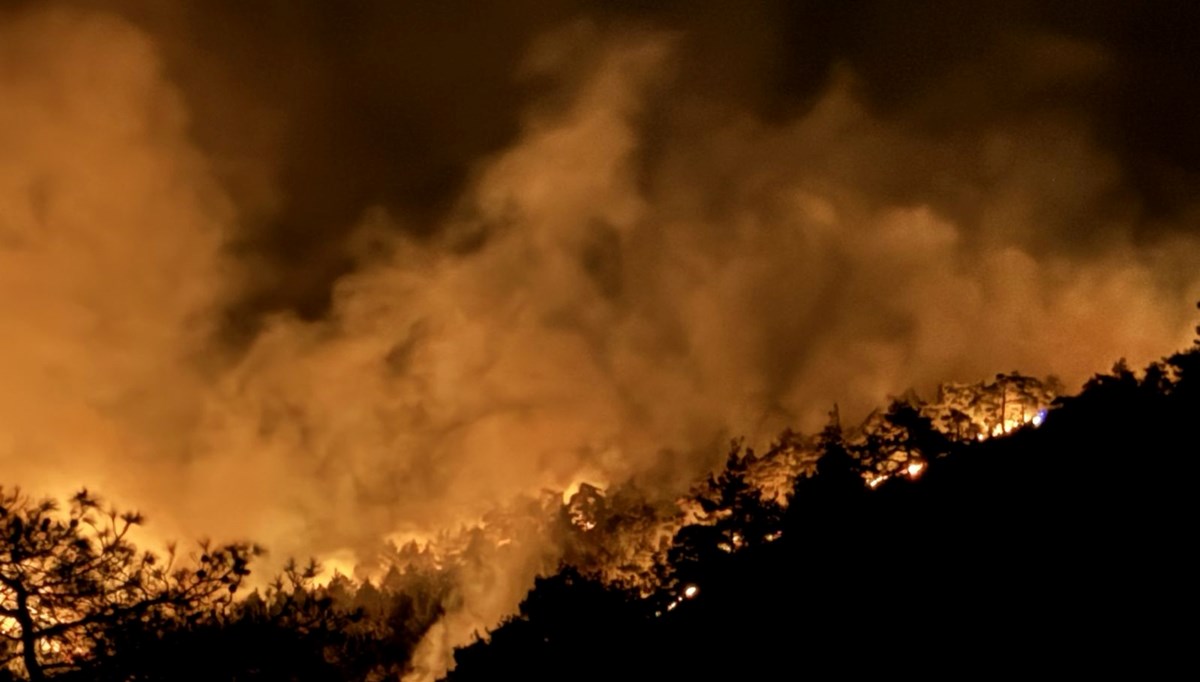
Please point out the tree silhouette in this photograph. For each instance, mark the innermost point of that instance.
(69, 582)
(734, 517)
(1008, 533)
(887, 442)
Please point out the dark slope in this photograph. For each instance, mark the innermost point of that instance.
(1064, 549)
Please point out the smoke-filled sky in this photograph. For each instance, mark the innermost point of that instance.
(313, 273)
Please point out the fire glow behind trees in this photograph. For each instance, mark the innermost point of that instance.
(329, 278)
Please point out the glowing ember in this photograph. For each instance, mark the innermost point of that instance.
(913, 470)
(690, 591)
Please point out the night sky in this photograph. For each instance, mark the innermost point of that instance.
(393, 103)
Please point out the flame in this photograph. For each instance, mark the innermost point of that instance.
(571, 490)
(590, 477)
(342, 562)
(1035, 419)
(689, 592)
(913, 470)
(990, 409)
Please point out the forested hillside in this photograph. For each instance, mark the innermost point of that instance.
(1061, 549)
(1044, 532)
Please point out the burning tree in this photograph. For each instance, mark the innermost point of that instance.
(985, 409)
(71, 582)
(734, 517)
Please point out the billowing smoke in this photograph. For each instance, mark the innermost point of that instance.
(620, 264)
(111, 230)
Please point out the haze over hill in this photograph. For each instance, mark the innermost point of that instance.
(320, 276)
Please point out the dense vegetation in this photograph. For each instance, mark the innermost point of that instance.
(1061, 549)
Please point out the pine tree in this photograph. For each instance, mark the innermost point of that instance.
(71, 582)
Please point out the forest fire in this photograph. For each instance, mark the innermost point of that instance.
(1035, 419)
(911, 471)
(616, 538)
(689, 592)
(453, 300)
(989, 409)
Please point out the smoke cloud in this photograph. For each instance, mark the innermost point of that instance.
(388, 290)
(111, 230)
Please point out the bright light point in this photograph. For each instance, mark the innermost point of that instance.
(875, 481)
(672, 605)
(690, 591)
(915, 469)
(1038, 418)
